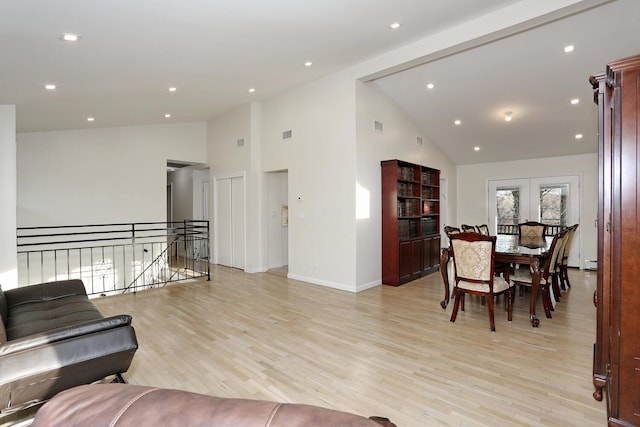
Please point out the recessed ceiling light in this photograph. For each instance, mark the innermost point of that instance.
(578, 136)
(167, 116)
(394, 26)
(70, 37)
(252, 90)
(476, 148)
(507, 116)
(575, 101)
(50, 86)
(569, 48)
(430, 86)
(308, 64)
(457, 122)
(173, 89)
(90, 119)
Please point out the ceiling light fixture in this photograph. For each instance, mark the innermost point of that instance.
(167, 116)
(569, 48)
(50, 86)
(90, 119)
(457, 122)
(575, 101)
(394, 26)
(70, 37)
(173, 89)
(507, 116)
(476, 148)
(308, 64)
(252, 90)
(430, 86)
(578, 136)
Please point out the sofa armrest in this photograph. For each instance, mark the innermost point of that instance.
(64, 333)
(44, 292)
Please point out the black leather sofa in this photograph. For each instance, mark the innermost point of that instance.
(123, 405)
(53, 338)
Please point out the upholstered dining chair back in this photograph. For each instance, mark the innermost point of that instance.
(532, 229)
(474, 258)
(522, 276)
(449, 230)
(562, 263)
(468, 228)
(557, 245)
(483, 229)
(473, 262)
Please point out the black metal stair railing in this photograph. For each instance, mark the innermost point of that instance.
(114, 258)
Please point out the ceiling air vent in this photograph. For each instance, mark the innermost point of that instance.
(241, 142)
(287, 134)
(419, 140)
(377, 126)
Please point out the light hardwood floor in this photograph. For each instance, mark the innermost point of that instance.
(385, 351)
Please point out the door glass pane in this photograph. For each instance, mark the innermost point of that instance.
(508, 209)
(553, 205)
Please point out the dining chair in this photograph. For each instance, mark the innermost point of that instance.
(562, 266)
(474, 257)
(532, 229)
(468, 228)
(483, 229)
(522, 275)
(448, 230)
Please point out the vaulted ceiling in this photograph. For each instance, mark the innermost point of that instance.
(131, 52)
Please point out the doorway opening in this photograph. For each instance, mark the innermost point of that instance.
(278, 222)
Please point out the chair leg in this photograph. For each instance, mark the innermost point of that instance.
(546, 301)
(556, 288)
(462, 294)
(492, 321)
(456, 305)
(565, 269)
(510, 304)
(563, 286)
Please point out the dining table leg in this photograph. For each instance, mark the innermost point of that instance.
(535, 286)
(444, 259)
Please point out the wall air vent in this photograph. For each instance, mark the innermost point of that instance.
(419, 140)
(287, 134)
(241, 142)
(377, 126)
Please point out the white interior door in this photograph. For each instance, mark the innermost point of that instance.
(223, 236)
(229, 222)
(550, 200)
(237, 222)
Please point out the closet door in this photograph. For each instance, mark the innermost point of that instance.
(237, 223)
(223, 236)
(230, 220)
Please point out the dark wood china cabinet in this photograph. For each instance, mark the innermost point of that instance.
(616, 362)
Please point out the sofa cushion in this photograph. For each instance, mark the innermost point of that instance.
(35, 316)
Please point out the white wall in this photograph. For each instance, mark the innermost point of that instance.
(227, 159)
(320, 159)
(101, 175)
(397, 141)
(8, 221)
(473, 193)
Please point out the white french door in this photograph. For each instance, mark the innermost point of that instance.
(550, 200)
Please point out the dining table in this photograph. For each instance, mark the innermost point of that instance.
(511, 249)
